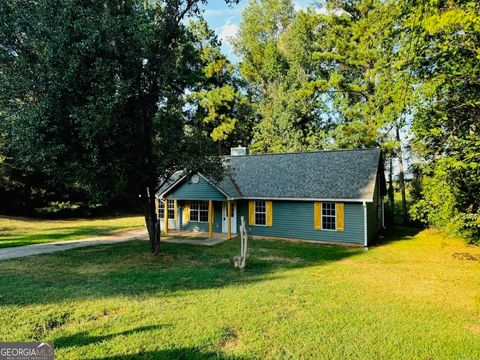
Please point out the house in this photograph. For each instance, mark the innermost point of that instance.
(325, 196)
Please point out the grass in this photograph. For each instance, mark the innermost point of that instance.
(415, 296)
(15, 231)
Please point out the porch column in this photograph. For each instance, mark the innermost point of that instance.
(229, 219)
(175, 215)
(210, 217)
(165, 213)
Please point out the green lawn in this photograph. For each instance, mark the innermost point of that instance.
(415, 298)
(15, 231)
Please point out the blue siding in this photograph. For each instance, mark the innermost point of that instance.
(294, 219)
(203, 226)
(200, 191)
(291, 219)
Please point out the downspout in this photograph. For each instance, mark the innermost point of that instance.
(365, 233)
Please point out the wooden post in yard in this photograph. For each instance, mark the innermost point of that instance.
(229, 220)
(210, 217)
(165, 213)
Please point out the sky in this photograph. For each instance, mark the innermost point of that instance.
(225, 19)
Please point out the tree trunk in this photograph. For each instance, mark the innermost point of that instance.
(151, 220)
(150, 107)
(391, 192)
(402, 176)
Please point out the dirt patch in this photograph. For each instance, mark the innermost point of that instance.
(105, 313)
(290, 260)
(475, 329)
(47, 323)
(229, 340)
(466, 256)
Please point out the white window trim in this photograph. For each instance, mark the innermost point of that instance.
(198, 218)
(161, 206)
(170, 201)
(255, 212)
(330, 216)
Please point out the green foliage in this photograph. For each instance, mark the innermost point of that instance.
(275, 44)
(92, 99)
(446, 124)
(438, 201)
(219, 103)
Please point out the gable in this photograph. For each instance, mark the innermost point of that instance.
(187, 190)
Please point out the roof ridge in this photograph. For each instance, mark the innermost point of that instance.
(306, 152)
(235, 184)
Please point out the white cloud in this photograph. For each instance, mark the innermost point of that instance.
(322, 10)
(228, 31)
(298, 7)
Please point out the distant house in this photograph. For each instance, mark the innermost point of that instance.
(325, 196)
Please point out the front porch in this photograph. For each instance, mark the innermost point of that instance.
(198, 219)
(196, 235)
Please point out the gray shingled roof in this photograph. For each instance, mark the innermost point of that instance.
(339, 174)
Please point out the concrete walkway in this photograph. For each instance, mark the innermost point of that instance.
(204, 242)
(37, 249)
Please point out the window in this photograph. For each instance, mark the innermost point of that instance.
(199, 211)
(171, 209)
(161, 210)
(260, 213)
(328, 216)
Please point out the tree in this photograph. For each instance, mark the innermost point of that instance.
(94, 94)
(366, 85)
(446, 123)
(274, 43)
(220, 103)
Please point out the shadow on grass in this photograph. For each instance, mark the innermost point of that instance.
(177, 354)
(83, 338)
(396, 233)
(128, 269)
(56, 234)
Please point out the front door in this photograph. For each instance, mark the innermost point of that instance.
(233, 209)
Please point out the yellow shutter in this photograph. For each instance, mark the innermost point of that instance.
(339, 207)
(157, 207)
(269, 213)
(186, 212)
(175, 210)
(251, 212)
(317, 216)
(165, 219)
